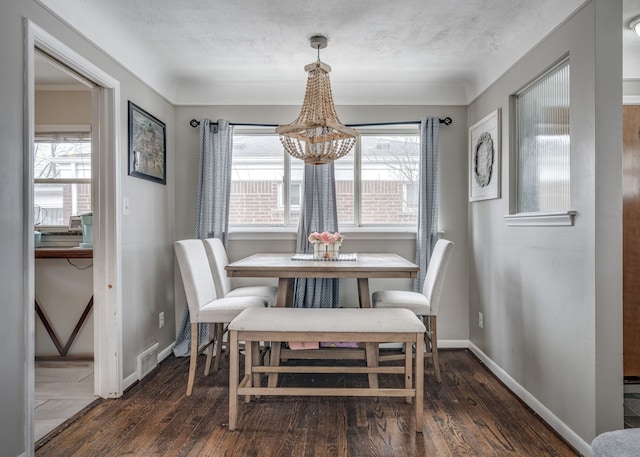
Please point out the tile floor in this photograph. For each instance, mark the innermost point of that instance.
(62, 389)
(632, 404)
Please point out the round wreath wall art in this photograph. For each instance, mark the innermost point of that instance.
(483, 160)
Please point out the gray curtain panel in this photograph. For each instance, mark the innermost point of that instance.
(214, 180)
(212, 210)
(428, 198)
(318, 213)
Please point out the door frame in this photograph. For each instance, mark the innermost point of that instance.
(107, 275)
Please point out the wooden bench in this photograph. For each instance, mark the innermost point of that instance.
(369, 326)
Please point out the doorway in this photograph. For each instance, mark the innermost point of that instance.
(631, 241)
(107, 300)
(64, 262)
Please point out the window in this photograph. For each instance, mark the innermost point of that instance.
(543, 143)
(389, 179)
(376, 183)
(62, 177)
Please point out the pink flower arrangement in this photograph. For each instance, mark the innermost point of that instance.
(326, 238)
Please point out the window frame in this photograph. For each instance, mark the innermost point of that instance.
(83, 131)
(541, 218)
(356, 225)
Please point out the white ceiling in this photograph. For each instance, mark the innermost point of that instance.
(381, 52)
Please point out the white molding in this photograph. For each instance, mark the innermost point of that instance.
(106, 178)
(351, 233)
(62, 87)
(554, 422)
(563, 218)
(631, 99)
(166, 352)
(63, 128)
(133, 377)
(130, 380)
(453, 344)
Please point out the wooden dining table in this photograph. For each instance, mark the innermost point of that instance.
(286, 269)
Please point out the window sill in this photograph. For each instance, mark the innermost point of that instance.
(351, 233)
(559, 219)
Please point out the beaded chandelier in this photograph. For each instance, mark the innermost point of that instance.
(317, 136)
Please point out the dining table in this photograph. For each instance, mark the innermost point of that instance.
(287, 267)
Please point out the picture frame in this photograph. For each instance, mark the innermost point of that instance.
(485, 158)
(147, 146)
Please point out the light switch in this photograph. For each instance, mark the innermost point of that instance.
(125, 206)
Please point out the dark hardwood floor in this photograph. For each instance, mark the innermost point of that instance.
(469, 414)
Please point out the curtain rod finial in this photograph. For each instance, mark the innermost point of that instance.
(194, 123)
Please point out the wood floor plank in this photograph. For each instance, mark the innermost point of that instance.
(469, 414)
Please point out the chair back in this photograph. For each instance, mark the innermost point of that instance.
(196, 275)
(436, 272)
(218, 259)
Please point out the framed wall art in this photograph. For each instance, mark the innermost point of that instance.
(484, 158)
(147, 146)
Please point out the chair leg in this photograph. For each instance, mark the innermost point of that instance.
(207, 366)
(194, 358)
(434, 346)
(219, 331)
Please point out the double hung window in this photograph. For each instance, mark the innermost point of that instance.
(376, 183)
(62, 177)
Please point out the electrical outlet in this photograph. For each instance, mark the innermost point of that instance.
(480, 320)
(161, 319)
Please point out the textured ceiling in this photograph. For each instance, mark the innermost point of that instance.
(253, 52)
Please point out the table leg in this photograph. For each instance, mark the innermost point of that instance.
(363, 293)
(63, 350)
(284, 299)
(285, 292)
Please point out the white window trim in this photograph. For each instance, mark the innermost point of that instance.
(60, 128)
(238, 229)
(281, 233)
(557, 219)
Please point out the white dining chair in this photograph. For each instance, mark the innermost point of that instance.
(423, 304)
(204, 306)
(218, 260)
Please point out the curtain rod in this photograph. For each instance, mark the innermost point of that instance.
(446, 121)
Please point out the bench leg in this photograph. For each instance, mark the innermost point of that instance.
(419, 382)
(408, 371)
(371, 352)
(275, 361)
(255, 349)
(249, 355)
(234, 369)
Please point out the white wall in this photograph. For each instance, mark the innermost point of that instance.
(551, 296)
(146, 236)
(453, 320)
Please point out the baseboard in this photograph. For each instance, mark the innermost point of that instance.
(166, 352)
(453, 344)
(554, 422)
(133, 377)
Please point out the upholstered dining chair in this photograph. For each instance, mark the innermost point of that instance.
(218, 260)
(423, 304)
(204, 306)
